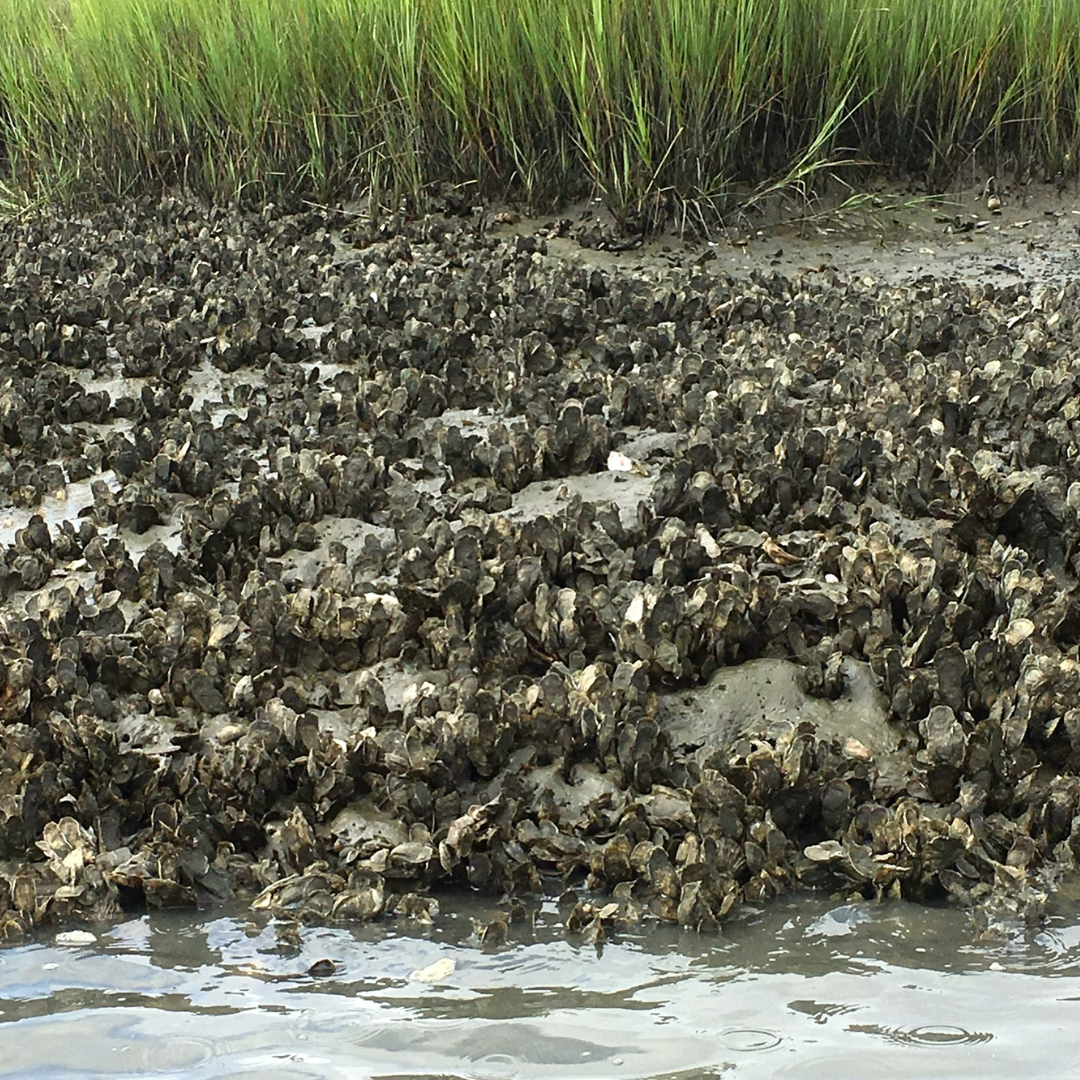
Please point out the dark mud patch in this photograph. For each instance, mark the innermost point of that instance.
(327, 580)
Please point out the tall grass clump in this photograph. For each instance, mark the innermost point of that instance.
(653, 104)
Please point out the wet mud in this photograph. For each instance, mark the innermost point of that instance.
(343, 561)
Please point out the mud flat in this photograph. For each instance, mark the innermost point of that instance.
(343, 561)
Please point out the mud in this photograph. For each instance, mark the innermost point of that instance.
(893, 234)
(746, 699)
(340, 560)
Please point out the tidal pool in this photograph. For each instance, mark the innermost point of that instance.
(804, 988)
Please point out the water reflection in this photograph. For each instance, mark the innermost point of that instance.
(804, 989)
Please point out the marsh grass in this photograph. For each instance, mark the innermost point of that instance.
(660, 106)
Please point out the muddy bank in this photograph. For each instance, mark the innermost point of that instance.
(343, 561)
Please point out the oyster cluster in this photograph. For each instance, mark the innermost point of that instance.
(342, 561)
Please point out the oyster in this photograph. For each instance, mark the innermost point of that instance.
(336, 572)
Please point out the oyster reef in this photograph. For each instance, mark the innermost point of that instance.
(340, 562)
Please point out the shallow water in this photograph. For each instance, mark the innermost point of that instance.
(805, 988)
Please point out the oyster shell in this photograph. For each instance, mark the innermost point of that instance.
(336, 575)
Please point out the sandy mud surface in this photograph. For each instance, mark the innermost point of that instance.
(342, 560)
(894, 235)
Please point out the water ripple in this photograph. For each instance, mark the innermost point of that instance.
(178, 1054)
(925, 1035)
(748, 1039)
